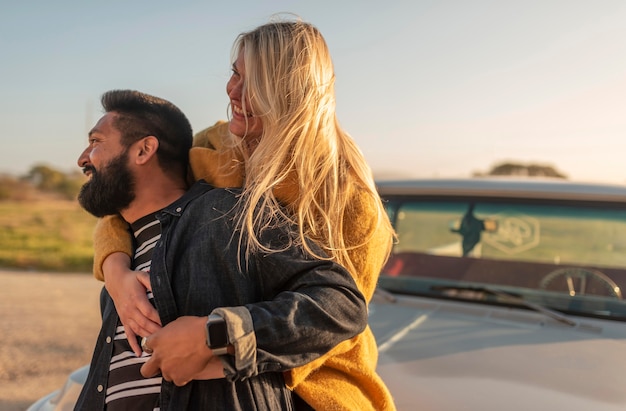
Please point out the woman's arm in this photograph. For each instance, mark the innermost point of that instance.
(112, 250)
(128, 289)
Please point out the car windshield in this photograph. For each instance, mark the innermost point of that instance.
(564, 256)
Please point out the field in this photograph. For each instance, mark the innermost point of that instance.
(46, 234)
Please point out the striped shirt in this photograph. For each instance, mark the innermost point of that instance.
(127, 388)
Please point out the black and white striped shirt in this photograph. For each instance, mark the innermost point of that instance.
(127, 388)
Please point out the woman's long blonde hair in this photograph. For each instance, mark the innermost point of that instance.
(290, 83)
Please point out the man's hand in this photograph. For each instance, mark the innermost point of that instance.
(213, 371)
(128, 291)
(180, 352)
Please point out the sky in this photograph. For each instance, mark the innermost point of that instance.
(426, 88)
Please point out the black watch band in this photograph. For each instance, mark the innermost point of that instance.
(217, 335)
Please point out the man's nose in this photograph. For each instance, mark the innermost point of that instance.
(83, 159)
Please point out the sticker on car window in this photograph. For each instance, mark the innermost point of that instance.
(515, 233)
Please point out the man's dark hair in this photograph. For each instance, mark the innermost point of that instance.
(140, 115)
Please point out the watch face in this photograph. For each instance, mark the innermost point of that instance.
(217, 334)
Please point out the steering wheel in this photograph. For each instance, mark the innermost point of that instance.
(569, 274)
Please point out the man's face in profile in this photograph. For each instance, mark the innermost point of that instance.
(110, 188)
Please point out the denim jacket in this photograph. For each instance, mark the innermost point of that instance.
(283, 309)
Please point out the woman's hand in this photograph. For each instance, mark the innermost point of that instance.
(128, 290)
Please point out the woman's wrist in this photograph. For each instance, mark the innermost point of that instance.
(115, 263)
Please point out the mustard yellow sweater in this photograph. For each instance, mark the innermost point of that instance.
(343, 379)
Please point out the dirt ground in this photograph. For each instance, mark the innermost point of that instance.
(48, 327)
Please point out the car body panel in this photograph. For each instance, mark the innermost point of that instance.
(445, 356)
(65, 398)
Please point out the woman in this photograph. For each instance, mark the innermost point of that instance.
(285, 147)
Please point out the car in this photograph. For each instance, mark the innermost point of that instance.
(504, 294)
(499, 293)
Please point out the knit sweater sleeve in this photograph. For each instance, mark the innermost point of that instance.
(111, 235)
(213, 158)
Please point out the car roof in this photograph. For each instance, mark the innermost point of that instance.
(505, 187)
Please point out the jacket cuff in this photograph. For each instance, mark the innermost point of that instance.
(241, 336)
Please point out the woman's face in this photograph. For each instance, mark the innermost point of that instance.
(242, 124)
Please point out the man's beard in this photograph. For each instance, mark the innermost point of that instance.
(110, 190)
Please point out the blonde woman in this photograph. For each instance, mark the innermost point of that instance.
(284, 146)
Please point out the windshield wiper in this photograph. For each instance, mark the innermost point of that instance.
(511, 297)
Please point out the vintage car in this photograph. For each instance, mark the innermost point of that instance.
(499, 294)
(504, 295)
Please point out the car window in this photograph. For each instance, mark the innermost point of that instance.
(562, 249)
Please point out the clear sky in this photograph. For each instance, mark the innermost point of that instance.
(426, 88)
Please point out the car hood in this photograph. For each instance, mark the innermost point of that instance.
(439, 355)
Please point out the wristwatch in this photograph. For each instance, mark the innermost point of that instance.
(217, 335)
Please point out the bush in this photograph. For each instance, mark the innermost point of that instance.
(12, 188)
(49, 180)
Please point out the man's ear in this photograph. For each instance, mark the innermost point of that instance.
(146, 149)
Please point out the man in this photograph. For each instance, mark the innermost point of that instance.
(254, 318)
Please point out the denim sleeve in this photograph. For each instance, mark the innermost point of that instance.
(316, 305)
